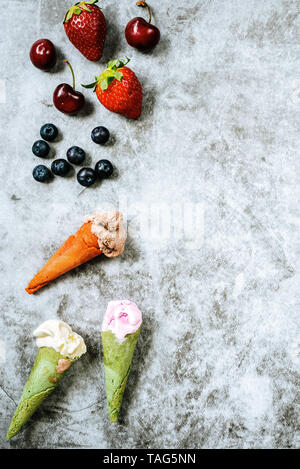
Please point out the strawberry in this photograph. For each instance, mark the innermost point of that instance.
(85, 26)
(119, 89)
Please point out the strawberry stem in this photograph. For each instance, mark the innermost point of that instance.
(72, 71)
(141, 3)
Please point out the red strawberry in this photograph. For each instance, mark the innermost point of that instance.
(119, 89)
(85, 26)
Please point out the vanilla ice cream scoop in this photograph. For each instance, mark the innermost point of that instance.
(59, 336)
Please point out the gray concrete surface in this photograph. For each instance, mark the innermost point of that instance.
(215, 157)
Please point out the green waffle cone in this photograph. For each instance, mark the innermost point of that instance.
(117, 364)
(41, 382)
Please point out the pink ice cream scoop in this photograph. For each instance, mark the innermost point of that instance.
(122, 317)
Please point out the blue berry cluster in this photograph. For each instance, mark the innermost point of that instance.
(75, 155)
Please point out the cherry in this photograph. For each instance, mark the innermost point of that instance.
(140, 34)
(66, 99)
(43, 54)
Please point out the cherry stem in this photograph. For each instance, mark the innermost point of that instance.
(72, 71)
(141, 3)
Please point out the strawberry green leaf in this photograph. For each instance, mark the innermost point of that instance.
(105, 82)
(110, 79)
(117, 63)
(113, 64)
(118, 76)
(122, 63)
(104, 85)
(91, 85)
(69, 16)
(78, 8)
(84, 7)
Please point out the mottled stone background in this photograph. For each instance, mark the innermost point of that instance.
(217, 362)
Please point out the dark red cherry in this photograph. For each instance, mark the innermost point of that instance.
(140, 34)
(66, 99)
(43, 54)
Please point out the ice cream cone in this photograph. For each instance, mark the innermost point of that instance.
(117, 364)
(100, 233)
(47, 371)
(78, 249)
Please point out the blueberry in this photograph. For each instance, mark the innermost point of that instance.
(86, 177)
(76, 155)
(100, 134)
(40, 148)
(41, 173)
(60, 167)
(104, 169)
(49, 132)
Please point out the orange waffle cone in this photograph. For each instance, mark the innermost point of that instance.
(78, 249)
